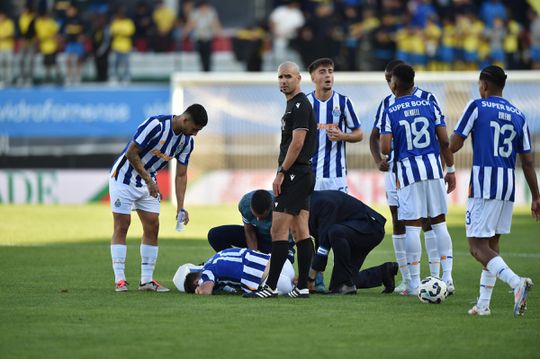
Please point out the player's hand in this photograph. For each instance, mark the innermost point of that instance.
(334, 134)
(384, 166)
(450, 179)
(153, 188)
(276, 185)
(535, 209)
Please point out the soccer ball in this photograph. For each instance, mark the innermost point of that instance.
(432, 290)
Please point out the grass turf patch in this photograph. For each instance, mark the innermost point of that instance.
(57, 299)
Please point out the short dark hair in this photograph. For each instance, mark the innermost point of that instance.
(405, 76)
(197, 114)
(324, 61)
(261, 201)
(189, 284)
(392, 64)
(495, 75)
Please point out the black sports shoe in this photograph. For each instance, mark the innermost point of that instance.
(262, 292)
(298, 293)
(344, 289)
(390, 270)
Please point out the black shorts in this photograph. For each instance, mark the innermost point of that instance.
(296, 190)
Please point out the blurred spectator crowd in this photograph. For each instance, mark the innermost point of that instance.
(105, 33)
(359, 35)
(428, 34)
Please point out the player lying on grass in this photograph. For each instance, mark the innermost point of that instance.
(232, 270)
(256, 209)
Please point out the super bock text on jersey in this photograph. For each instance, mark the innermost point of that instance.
(412, 121)
(389, 100)
(337, 112)
(159, 144)
(498, 131)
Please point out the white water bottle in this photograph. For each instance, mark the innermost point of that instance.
(180, 220)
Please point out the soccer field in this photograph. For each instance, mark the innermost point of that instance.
(57, 299)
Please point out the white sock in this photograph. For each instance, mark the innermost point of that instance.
(487, 282)
(148, 262)
(444, 246)
(498, 267)
(401, 255)
(118, 255)
(433, 253)
(414, 253)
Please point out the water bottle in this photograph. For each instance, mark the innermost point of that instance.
(180, 220)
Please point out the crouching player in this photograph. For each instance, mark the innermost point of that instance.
(233, 270)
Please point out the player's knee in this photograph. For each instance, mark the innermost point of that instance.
(214, 238)
(426, 225)
(213, 234)
(475, 252)
(399, 227)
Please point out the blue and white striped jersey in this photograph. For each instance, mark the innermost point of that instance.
(329, 160)
(498, 131)
(412, 121)
(236, 267)
(388, 101)
(159, 145)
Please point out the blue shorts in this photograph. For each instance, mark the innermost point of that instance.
(74, 48)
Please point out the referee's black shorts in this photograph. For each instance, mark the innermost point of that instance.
(295, 190)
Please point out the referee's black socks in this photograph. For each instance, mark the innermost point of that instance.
(280, 250)
(304, 250)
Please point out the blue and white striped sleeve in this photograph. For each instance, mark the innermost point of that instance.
(439, 117)
(467, 119)
(386, 125)
(207, 276)
(350, 115)
(524, 144)
(185, 152)
(431, 97)
(148, 130)
(378, 116)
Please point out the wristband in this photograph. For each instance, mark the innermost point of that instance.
(280, 169)
(451, 169)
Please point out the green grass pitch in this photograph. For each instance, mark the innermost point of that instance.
(57, 299)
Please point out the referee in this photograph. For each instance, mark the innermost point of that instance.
(293, 184)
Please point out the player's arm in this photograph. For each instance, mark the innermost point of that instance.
(456, 142)
(335, 134)
(375, 148)
(527, 162)
(205, 289)
(448, 157)
(251, 236)
(386, 143)
(132, 154)
(180, 185)
(463, 126)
